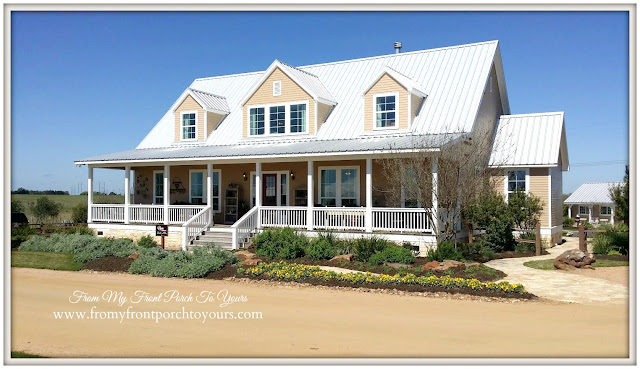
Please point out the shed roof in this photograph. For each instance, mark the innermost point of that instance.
(530, 140)
(592, 193)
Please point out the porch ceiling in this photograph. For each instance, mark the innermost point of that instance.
(279, 149)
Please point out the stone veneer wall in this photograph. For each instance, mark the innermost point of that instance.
(172, 242)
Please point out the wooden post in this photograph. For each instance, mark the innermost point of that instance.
(582, 238)
(538, 240)
(470, 232)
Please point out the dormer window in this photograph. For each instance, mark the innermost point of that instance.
(385, 111)
(283, 119)
(188, 120)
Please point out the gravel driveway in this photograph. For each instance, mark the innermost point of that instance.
(558, 285)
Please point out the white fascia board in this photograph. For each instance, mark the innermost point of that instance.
(502, 85)
(184, 96)
(325, 101)
(216, 111)
(262, 158)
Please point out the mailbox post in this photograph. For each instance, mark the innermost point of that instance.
(161, 231)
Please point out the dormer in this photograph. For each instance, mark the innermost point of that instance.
(391, 101)
(285, 101)
(197, 114)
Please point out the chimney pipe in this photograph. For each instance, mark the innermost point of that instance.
(397, 45)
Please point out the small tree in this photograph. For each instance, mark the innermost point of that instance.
(620, 196)
(491, 212)
(17, 205)
(79, 213)
(44, 209)
(525, 209)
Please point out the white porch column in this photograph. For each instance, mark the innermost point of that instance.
(368, 215)
(613, 214)
(590, 211)
(310, 195)
(127, 193)
(209, 184)
(569, 210)
(165, 194)
(89, 192)
(258, 185)
(434, 196)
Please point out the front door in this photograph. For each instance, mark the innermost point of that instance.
(270, 189)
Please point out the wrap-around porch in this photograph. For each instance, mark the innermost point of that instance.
(326, 195)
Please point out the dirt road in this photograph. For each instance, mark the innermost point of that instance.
(301, 322)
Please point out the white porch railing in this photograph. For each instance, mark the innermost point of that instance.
(178, 214)
(146, 214)
(339, 218)
(283, 216)
(111, 213)
(244, 227)
(196, 225)
(401, 220)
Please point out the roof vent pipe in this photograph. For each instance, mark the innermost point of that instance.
(397, 46)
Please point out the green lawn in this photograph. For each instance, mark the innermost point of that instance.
(547, 264)
(67, 201)
(20, 355)
(43, 260)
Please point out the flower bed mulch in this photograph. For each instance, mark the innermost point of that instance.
(517, 254)
(613, 257)
(227, 271)
(109, 264)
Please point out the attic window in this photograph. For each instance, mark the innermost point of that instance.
(277, 88)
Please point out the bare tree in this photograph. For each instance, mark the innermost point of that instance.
(463, 174)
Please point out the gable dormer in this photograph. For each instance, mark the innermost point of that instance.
(285, 101)
(391, 101)
(197, 114)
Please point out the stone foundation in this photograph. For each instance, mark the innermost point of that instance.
(172, 242)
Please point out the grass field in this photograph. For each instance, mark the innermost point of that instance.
(547, 264)
(24, 355)
(43, 260)
(67, 201)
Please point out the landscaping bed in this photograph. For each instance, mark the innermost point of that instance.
(109, 264)
(411, 283)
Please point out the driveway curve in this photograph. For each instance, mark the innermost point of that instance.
(559, 285)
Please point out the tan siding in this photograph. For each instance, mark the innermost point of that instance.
(290, 92)
(213, 120)
(189, 104)
(416, 101)
(323, 113)
(556, 195)
(386, 84)
(539, 186)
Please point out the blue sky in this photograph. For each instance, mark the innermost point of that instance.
(88, 83)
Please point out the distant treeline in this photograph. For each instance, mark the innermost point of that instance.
(23, 191)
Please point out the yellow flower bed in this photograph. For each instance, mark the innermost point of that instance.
(299, 272)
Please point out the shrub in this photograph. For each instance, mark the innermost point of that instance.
(79, 213)
(84, 247)
(602, 244)
(21, 234)
(79, 230)
(282, 243)
(446, 250)
(477, 250)
(613, 252)
(614, 239)
(568, 222)
(492, 213)
(320, 249)
(44, 209)
(345, 246)
(161, 263)
(393, 254)
(146, 242)
(364, 247)
(525, 209)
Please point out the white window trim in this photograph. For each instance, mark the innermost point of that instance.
(338, 170)
(287, 119)
(605, 207)
(397, 110)
(153, 190)
(205, 189)
(279, 83)
(182, 113)
(403, 198)
(586, 208)
(506, 181)
(278, 186)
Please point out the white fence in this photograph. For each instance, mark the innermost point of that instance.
(143, 214)
(110, 213)
(196, 225)
(339, 218)
(401, 220)
(283, 216)
(178, 214)
(146, 214)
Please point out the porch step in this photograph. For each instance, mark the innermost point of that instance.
(222, 239)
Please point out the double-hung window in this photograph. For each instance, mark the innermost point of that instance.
(583, 210)
(410, 190)
(516, 181)
(385, 110)
(339, 186)
(198, 185)
(605, 210)
(158, 187)
(188, 125)
(284, 118)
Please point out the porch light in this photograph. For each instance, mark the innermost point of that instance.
(244, 176)
(293, 176)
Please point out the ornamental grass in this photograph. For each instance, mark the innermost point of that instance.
(298, 272)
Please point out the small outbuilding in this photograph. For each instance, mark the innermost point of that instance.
(592, 202)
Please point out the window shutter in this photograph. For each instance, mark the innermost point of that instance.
(277, 88)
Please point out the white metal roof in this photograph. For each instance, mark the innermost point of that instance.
(530, 140)
(454, 77)
(592, 193)
(405, 81)
(208, 101)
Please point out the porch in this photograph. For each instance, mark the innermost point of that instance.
(246, 197)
